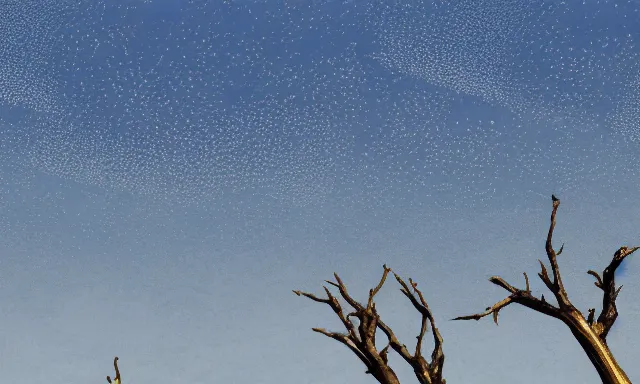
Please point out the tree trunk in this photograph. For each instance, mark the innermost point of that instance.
(597, 350)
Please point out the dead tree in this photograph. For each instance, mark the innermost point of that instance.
(361, 339)
(591, 333)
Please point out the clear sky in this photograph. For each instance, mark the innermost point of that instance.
(170, 170)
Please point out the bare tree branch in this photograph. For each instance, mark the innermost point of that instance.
(544, 276)
(419, 364)
(519, 296)
(346, 340)
(374, 291)
(362, 342)
(494, 309)
(607, 283)
(558, 287)
(335, 305)
(598, 282)
(524, 296)
(590, 334)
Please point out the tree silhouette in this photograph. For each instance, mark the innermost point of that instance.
(590, 332)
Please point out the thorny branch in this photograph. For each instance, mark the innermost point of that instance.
(362, 342)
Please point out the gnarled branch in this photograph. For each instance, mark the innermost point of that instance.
(607, 283)
(419, 364)
(598, 282)
(556, 287)
(519, 296)
(362, 342)
(524, 296)
(590, 333)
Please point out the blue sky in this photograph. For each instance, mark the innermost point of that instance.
(171, 170)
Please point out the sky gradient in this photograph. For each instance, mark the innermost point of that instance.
(170, 170)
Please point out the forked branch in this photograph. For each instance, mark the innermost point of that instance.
(430, 371)
(590, 333)
(519, 296)
(555, 286)
(362, 342)
(607, 283)
(524, 296)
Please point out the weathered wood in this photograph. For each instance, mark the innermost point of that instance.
(589, 333)
(361, 339)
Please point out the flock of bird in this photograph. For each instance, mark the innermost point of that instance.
(301, 103)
